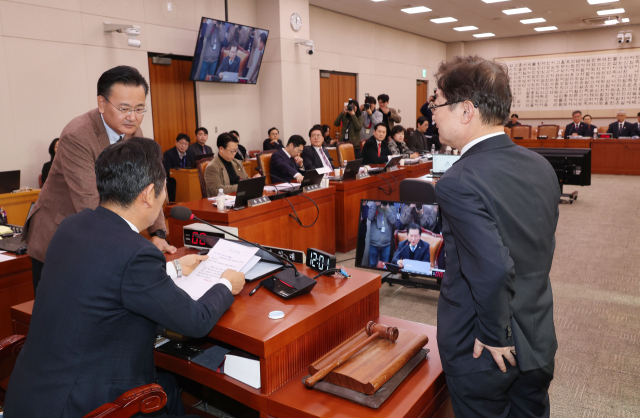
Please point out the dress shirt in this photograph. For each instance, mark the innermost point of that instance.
(413, 248)
(323, 158)
(379, 146)
(171, 269)
(477, 141)
(113, 136)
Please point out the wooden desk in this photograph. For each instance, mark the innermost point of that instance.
(615, 156)
(348, 196)
(270, 224)
(566, 143)
(187, 184)
(17, 205)
(16, 286)
(418, 170)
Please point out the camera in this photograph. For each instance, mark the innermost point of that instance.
(350, 105)
(306, 42)
(366, 106)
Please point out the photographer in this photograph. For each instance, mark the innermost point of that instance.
(389, 115)
(351, 120)
(371, 115)
(382, 217)
(326, 135)
(419, 214)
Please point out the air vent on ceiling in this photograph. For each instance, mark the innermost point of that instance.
(597, 21)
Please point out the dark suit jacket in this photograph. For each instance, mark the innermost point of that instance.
(500, 207)
(266, 145)
(45, 170)
(196, 149)
(283, 168)
(312, 160)
(370, 152)
(627, 130)
(428, 114)
(171, 159)
(241, 154)
(404, 252)
(583, 130)
(229, 68)
(417, 142)
(71, 184)
(104, 289)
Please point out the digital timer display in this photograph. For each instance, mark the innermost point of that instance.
(199, 238)
(319, 260)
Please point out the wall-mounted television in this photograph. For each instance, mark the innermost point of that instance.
(228, 52)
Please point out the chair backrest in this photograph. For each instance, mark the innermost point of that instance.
(252, 153)
(603, 129)
(508, 132)
(410, 131)
(202, 165)
(264, 164)
(550, 131)
(9, 349)
(345, 151)
(362, 141)
(534, 132)
(333, 153)
(242, 54)
(417, 191)
(434, 241)
(146, 399)
(521, 131)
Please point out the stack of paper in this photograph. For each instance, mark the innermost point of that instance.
(281, 187)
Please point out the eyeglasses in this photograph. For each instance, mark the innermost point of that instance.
(127, 111)
(231, 151)
(433, 106)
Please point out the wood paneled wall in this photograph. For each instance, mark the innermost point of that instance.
(334, 92)
(422, 92)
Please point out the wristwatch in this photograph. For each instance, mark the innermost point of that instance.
(176, 264)
(160, 233)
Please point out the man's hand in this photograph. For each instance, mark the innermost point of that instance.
(163, 245)
(497, 353)
(257, 175)
(401, 263)
(188, 263)
(236, 279)
(299, 177)
(414, 155)
(574, 134)
(378, 203)
(298, 161)
(385, 110)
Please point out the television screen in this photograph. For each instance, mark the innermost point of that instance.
(400, 237)
(227, 52)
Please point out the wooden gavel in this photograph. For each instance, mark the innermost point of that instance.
(374, 331)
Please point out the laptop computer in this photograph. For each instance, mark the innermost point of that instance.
(442, 162)
(9, 181)
(394, 161)
(15, 244)
(417, 267)
(229, 77)
(311, 177)
(350, 171)
(249, 189)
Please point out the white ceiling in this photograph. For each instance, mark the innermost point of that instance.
(567, 15)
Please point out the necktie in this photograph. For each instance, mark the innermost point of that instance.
(325, 159)
(120, 139)
(379, 144)
(576, 127)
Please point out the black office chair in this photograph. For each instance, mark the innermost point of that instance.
(417, 191)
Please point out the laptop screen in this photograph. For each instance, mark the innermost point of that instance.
(9, 181)
(442, 162)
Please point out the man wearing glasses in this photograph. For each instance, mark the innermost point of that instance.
(71, 185)
(225, 171)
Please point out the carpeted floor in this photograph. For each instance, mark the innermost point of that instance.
(596, 286)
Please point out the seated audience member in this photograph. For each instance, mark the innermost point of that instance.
(577, 127)
(273, 142)
(199, 147)
(417, 141)
(389, 115)
(638, 125)
(413, 248)
(53, 148)
(513, 122)
(351, 122)
(224, 171)
(587, 119)
(376, 149)
(100, 301)
(371, 117)
(422, 215)
(315, 156)
(286, 163)
(231, 64)
(621, 128)
(177, 158)
(382, 217)
(396, 143)
(242, 151)
(326, 135)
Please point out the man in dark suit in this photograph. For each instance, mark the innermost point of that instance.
(499, 203)
(231, 64)
(177, 157)
(71, 185)
(637, 125)
(577, 127)
(200, 147)
(316, 156)
(621, 128)
(286, 163)
(241, 154)
(376, 149)
(273, 142)
(413, 248)
(417, 141)
(104, 290)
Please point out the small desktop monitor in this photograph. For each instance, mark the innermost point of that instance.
(400, 237)
(442, 162)
(228, 52)
(572, 165)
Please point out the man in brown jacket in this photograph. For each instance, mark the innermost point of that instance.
(71, 185)
(224, 171)
(389, 115)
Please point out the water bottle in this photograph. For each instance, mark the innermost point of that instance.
(595, 133)
(220, 200)
(559, 134)
(344, 164)
(433, 149)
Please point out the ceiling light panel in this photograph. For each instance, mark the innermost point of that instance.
(625, 20)
(601, 1)
(517, 11)
(536, 20)
(546, 28)
(610, 12)
(493, 1)
(414, 10)
(484, 35)
(611, 22)
(465, 28)
(444, 20)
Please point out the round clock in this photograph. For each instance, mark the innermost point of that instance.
(296, 22)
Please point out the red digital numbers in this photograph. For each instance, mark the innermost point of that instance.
(195, 240)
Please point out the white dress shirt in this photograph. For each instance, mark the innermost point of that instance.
(113, 136)
(477, 141)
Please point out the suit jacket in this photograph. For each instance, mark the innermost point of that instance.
(418, 142)
(171, 159)
(283, 168)
(627, 130)
(404, 252)
(370, 152)
(104, 290)
(216, 176)
(312, 160)
(393, 118)
(196, 149)
(428, 114)
(500, 207)
(583, 130)
(71, 184)
(266, 145)
(241, 154)
(229, 68)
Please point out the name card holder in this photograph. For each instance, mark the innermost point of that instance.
(258, 201)
(362, 175)
(311, 188)
(392, 168)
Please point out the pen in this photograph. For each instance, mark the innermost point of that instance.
(256, 288)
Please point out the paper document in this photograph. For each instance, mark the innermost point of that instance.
(281, 187)
(5, 258)
(324, 170)
(254, 260)
(229, 201)
(224, 255)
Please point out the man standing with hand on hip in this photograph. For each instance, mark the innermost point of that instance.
(499, 202)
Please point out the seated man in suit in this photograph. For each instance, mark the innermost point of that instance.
(587, 119)
(621, 128)
(177, 158)
(200, 147)
(513, 121)
(417, 141)
(231, 64)
(224, 171)
(376, 149)
(286, 164)
(242, 151)
(273, 142)
(316, 156)
(637, 125)
(104, 291)
(413, 248)
(577, 127)
(382, 216)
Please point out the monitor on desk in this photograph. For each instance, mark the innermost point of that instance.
(9, 181)
(400, 237)
(442, 162)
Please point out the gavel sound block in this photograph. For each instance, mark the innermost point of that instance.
(372, 361)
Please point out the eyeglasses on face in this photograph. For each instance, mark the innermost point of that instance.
(433, 106)
(139, 111)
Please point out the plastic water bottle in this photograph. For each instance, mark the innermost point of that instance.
(220, 200)
(433, 149)
(560, 134)
(344, 164)
(595, 133)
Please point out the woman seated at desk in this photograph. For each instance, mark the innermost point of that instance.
(397, 146)
(224, 171)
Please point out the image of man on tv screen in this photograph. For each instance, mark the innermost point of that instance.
(231, 64)
(382, 216)
(413, 248)
(213, 38)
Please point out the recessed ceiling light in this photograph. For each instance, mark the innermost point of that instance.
(601, 1)
(625, 20)
(497, 1)
(377, 0)
(546, 28)
(610, 12)
(444, 20)
(465, 28)
(611, 22)
(536, 20)
(484, 35)
(517, 11)
(418, 9)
